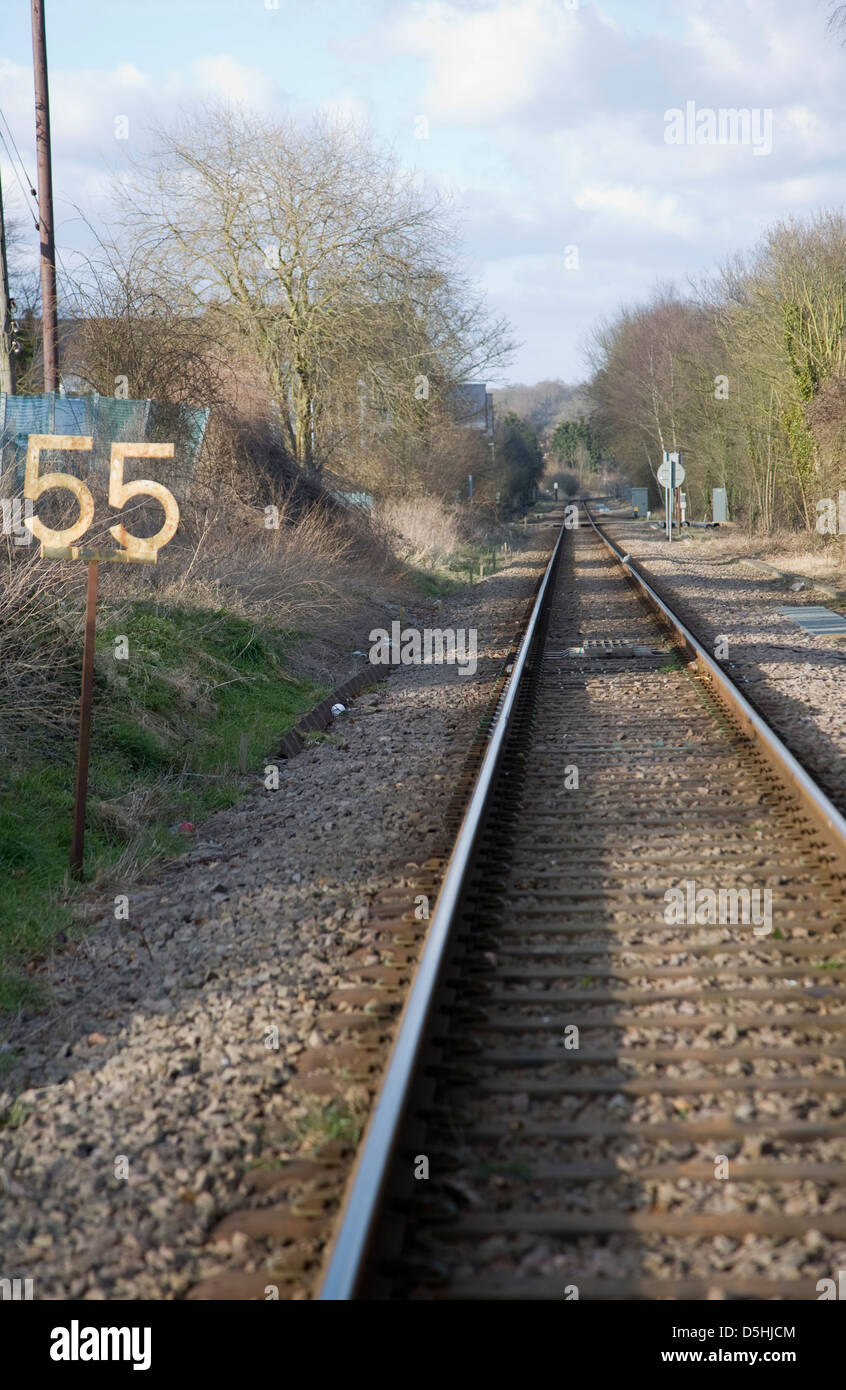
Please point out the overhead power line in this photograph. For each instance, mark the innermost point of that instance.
(17, 175)
(29, 190)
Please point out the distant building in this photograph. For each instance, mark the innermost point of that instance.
(472, 406)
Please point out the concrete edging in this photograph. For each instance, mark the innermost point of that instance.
(320, 717)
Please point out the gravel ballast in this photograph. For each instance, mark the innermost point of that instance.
(798, 682)
(138, 1105)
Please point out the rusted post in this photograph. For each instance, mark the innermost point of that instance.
(80, 791)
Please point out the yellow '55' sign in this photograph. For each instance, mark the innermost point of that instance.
(59, 544)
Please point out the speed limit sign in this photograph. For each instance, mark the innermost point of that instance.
(671, 471)
(59, 545)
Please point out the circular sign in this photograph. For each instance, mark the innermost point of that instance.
(664, 475)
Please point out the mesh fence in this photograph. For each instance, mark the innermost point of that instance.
(107, 420)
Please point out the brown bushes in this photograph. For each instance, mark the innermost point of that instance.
(39, 643)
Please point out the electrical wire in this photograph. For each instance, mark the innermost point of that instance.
(30, 190)
(26, 192)
(29, 181)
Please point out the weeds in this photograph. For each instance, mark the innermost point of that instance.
(333, 1121)
(314, 737)
(429, 532)
(15, 1116)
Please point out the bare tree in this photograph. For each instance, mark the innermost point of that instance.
(837, 17)
(126, 337)
(332, 264)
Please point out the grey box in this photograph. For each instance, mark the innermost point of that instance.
(719, 505)
(640, 500)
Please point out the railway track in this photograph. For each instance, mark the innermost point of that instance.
(621, 1068)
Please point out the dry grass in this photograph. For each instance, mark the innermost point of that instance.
(802, 552)
(794, 552)
(292, 575)
(309, 571)
(426, 530)
(820, 556)
(39, 643)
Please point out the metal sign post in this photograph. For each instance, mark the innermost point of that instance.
(58, 545)
(670, 476)
(80, 789)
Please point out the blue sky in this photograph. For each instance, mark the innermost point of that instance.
(546, 124)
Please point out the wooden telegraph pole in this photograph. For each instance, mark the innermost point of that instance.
(49, 318)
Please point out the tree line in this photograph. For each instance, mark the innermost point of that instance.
(576, 445)
(745, 374)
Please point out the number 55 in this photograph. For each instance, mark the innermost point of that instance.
(120, 493)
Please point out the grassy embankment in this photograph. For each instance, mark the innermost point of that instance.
(207, 661)
(167, 727)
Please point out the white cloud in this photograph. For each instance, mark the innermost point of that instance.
(346, 107)
(227, 78)
(488, 64)
(131, 76)
(660, 211)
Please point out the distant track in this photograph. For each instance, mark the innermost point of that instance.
(689, 1139)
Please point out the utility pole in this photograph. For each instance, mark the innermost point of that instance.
(49, 319)
(7, 356)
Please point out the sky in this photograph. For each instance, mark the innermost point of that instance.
(545, 122)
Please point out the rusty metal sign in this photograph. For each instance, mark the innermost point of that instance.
(59, 545)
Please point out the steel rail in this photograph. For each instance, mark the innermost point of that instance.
(347, 1259)
(813, 797)
(349, 1249)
